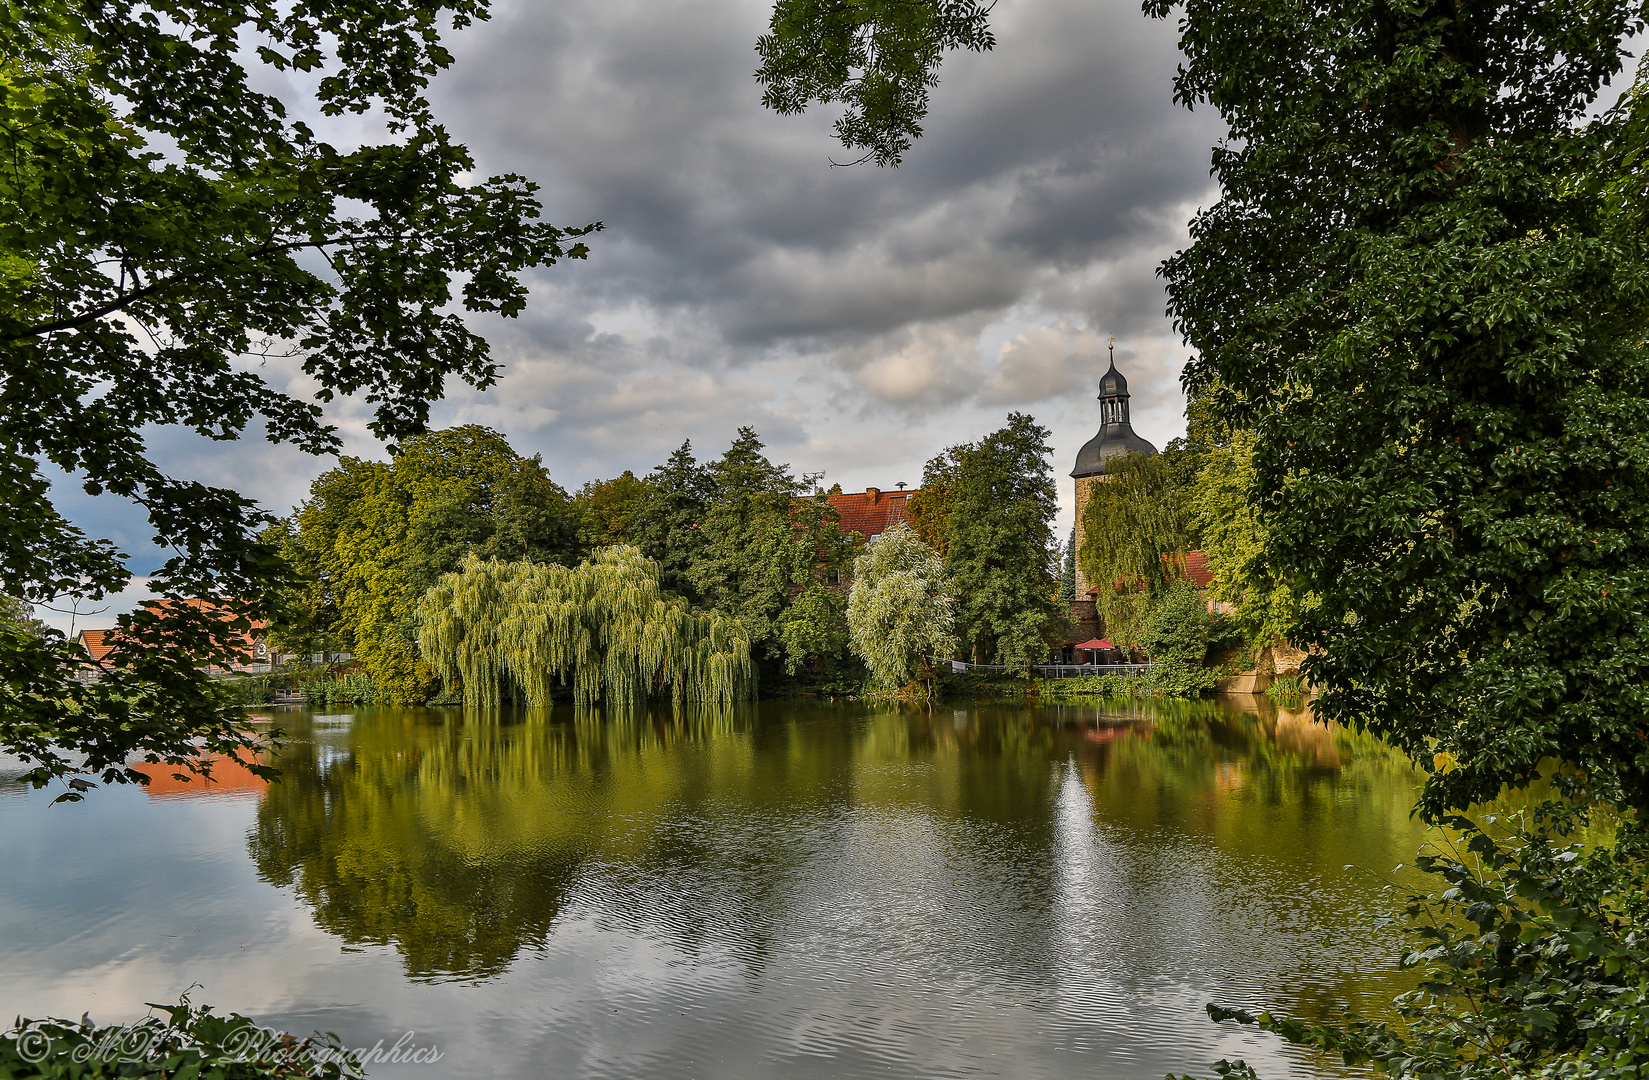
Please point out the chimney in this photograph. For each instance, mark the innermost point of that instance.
(872, 494)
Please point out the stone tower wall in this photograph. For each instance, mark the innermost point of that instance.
(1084, 485)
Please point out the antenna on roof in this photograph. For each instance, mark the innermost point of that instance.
(900, 485)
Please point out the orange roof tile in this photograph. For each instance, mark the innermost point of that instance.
(871, 512)
(96, 643)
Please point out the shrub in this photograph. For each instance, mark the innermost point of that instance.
(1169, 679)
(1286, 688)
(190, 1041)
(1176, 636)
(1176, 627)
(251, 689)
(1088, 686)
(354, 688)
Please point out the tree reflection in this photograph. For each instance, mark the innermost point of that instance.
(459, 838)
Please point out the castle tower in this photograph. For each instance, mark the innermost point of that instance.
(1116, 436)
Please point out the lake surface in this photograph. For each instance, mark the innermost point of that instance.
(789, 890)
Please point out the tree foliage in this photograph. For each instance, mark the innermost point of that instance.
(1416, 292)
(1175, 635)
(1424, 288)
(745, 564)
(879, 58)
(163, 224)
(1135, 530)
(373, 537)
(1067, 570)
(19, 614)
(605, 627)
(901, 608)
(609, 508)
(666, 520)
(738, 534)
(929, 509)
(1224, 514)
(999, 553)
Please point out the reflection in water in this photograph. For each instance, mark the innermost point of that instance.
(1130, 858)
(791, 891)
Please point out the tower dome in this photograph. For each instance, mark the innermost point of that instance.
(1116, 434)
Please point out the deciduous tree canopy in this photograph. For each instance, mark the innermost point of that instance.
(373, 537)
(1135, 533)
(1419, 290)
(161, 222)
(1000, 550)
(740, 535)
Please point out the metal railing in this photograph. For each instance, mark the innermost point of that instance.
(1053, 671)
(1081, 671)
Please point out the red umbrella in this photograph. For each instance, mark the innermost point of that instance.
(1095, 643)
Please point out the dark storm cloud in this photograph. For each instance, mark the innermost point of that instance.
(859, 319)
(1059, 149)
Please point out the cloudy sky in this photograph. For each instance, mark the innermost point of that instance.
(859, 319)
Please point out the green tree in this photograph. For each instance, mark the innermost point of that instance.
(878, 57)
(609, 507)
(809, 551)
(1175, 635)
(736, 535)
(1067, 570)
(1000, 539)
(375, 536)
(1134, 537)
(901, 609)
(1424, 288)
(666, 520)
(741, 567)
(764, 547)
(930, 508)
(1224, 514)
(160, 222)
(1415, 290)
(19, 615)
(513, 630)
(813, 629)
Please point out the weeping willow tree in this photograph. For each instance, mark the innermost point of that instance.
(604, 626)
(902, 607)
(1135, 530)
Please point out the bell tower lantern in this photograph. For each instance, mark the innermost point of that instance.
(1116, 436)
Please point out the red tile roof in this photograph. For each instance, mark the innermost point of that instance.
(96, 643)
(1196, 569)
(871, 512)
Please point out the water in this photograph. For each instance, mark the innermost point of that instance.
(787, 891)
